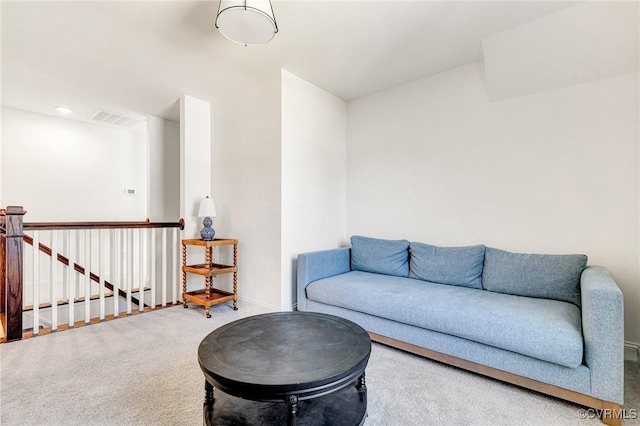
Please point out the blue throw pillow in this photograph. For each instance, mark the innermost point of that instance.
(388, 257)
(447, 265)
(546, 276)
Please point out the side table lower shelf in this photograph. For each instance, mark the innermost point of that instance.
(214, 297)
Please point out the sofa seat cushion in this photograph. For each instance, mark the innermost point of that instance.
(549, 330)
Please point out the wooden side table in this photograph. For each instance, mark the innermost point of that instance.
(209, 295)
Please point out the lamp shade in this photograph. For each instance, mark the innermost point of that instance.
(207, 208)
(247, 22)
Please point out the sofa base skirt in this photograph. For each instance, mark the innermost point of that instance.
(611, 411)
(571, 384)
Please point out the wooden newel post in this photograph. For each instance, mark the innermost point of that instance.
(12, 270)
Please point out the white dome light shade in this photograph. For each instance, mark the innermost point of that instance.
(247, 22)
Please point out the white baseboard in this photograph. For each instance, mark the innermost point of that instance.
(255, 305)
(632, 351)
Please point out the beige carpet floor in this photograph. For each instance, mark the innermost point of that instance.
(142, 370)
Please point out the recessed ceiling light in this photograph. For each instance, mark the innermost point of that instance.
(63, 110)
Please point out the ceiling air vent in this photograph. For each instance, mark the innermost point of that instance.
(114, 118)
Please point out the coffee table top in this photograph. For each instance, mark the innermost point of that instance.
(266, 356)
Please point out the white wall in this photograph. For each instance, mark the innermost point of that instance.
(555, 172)
(164, 192)
(195, 175)
(313, 175)
(246, 184)
(164, 169)
(195, 161)
(65, 170)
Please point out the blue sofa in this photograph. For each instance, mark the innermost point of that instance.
(544, 322)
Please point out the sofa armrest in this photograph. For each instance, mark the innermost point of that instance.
(603, 330)
(317, 265)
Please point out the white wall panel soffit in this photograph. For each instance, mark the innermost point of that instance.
(587, 42)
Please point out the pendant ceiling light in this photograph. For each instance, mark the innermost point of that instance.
(247, 22)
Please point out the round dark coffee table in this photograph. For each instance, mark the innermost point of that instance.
(302, 368)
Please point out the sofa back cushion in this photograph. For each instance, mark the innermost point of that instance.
(546, 276)
(447, 265)
(389, 257)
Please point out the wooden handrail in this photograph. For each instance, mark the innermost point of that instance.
(40, 226)
(47, 250)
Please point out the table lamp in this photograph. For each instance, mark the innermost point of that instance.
(207, 210)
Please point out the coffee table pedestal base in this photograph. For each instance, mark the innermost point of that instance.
(346, 407)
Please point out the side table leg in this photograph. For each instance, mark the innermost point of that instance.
(208, 282)
(235, 277)
(184, 276)
(292, 408)
(208, 393)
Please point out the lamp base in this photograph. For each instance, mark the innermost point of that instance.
(207, 232)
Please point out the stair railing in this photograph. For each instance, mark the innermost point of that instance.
(54, 272)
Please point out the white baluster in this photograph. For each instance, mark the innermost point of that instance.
(101, 273)
(65, 271)
(79, 262)
(123, 263)
(176, 275)
(36, 282)
(129, 269)
(164, 270)
(25, 293)
(152, 281)
(71, 277)
(53, 277)
(87, 276)
(141, 259)
(114, 265)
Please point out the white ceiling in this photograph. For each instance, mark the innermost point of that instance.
(139, 57)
